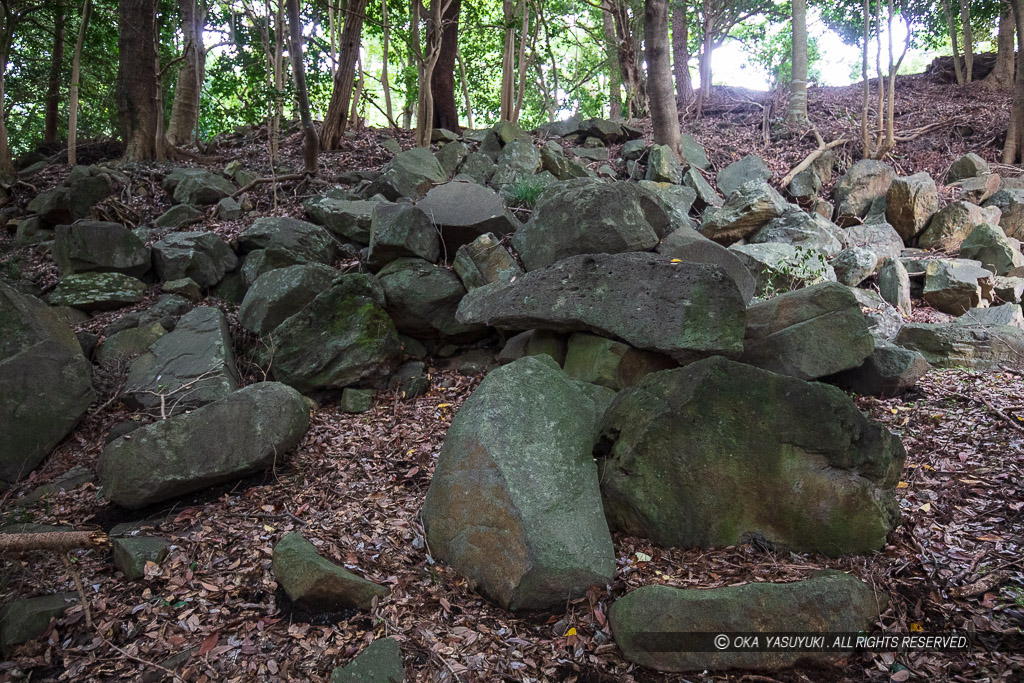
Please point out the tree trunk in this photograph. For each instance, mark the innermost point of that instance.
(333, 128)
(442, 81)
(952, 39)
(866, 104)
(185, 109)
(704, 69)
(310, 141)
(523, 64)
(965, 19)
(53, 88)
(614, 72)
(1015, 132)
(629, 63)
(681, 54)
(137, 82)
(425, 104)
(465, 90)
(384, 84)
(1002, 72)
(357, 93)
(508, 61)
(797, 112)
(76, 62)
(664, 116)
(6, 39)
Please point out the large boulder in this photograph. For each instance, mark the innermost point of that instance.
(954, 286)
(866, 181)
(890, 370)
(683, 463)
(97, 291)
(514, 505)
(422, 299)
(189, 367)
(854, 265)
(409, 174)
(684, 310)
(400, 230)
(1010, 202)
(380, 662)
(280, 293)
(314, 582)
(807, 183)
(969, 165)
(349, 220)
(340, 338)
(808, 333)
(677, 200)
(808, 230)
(99, 246)
(296, 240)
(894, 284)
(672, 629)
(751, 207)
(84, 188)
(245, 432)
(464, 211)
(483, 261)
(994, 316)
(990, 245)
(778, 267)
(663, 165)
(590, 217)
(26, 321)
(25, 619)
(880, 238)
(203, 188)
(749, 168)
(694, 153)
(948, 345)
(910, 203)
(202, 256)
(884, 320)
(611, 364)
(954, 222)
(686, 244)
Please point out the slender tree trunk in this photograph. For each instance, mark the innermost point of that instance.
(664, 116)
(6, 39)
(333, 31)
(523, 63)
(76, 62)
(185, 108)
(705, 69)
(357, 93)
(310, 141)
(385, 47)
(53, 87)
(465, 90)
(279, 78)
(965, 19)
(957, 69)
(137, 81)
(1014, 147)
(442, 81)
(1002, 72)
(614, 71)
(508, 61)
(425, 105)
(629, 61)
(681, 54)
(797, 112)
(333, 128)
(866, 105)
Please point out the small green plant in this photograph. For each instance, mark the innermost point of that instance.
(806, 267)
(525, 192)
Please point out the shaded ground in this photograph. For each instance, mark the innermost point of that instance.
(212, 611)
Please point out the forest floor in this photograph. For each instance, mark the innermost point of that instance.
(212, 612)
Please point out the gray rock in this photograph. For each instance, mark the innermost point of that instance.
(747, 210)
(451, 157)
(588, 217)
(684, 310)
(880, 238)
(910, 203)
(1010, 202)
(749, 168)
(484, 261)
(189, 367)
(355, 400)
(228, 209)
(464, 211)
(676, 199)
(514, 505)
(341, 338)
(809, 182)
(663, 166)
(650, 624)
(954, 222)
(379, 662)
(400, 230)
(968, 166)
(27, 619)
(202, 256)
(782, 267)
(990, 245)
(884, 320)
(890, 370)
(554, 161)
(694, 153)
(349, 220)
(977, 190)
(611, 364)
(479, 167)
(955, 286)
(854, 265)
(894, 284)
(535, 343)
(409, 174)
(290, 239)
(634, 150)
(422, 299)
(689, 245)
(26, 321)
(948, 345)
(204, 188)
(97, 291)
(99, 246)
(1007, 314)
(1009, 289)
(410, 380)
(798, 228)
(706, 195)
(866, 181)
(133, 552)
(313, 581)
(242, 433)
(807, 333)
(282, 292)
(126, 345)
(779, 480)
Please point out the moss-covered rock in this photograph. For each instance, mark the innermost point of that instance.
(422, 299)
(611, 364)
(26, 619)
(282, 292)
(718, 453)
(401, 230)
(380, 662)
(409, 174)
(133, 552)
(97, 291)
(25, 321)
(97, 245)
(202, 256)
(313, 581)
(948, 345)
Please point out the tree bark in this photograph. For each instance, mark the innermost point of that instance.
(185, 109)
(1002, 72)
(76, 64)
(442, 80)
(465, 90)
(965, 19)
(797, 111)
(137, 82)
(1015, 133)
(681, 54)
(951, 26)
(508, 60)
(704, 68)
(614, 72)
(866, 103)
(310, 141)
(6, 39)
(428, 61)
(385, 46)
(664, 115)
(53, 88)
(333, 128)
